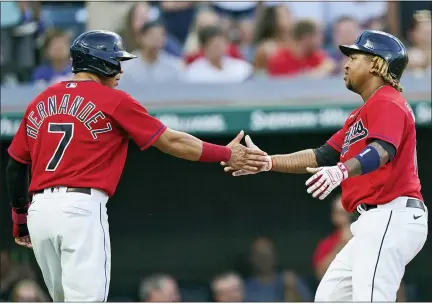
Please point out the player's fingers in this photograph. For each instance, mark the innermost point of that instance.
(250, 143)
(320, 190)
(22, 242)
(223, 163)
(319, 183)
(256, 152)
(255, 163)
(313, 179)
(228, 169)
(241, 172)
(259, 158)
(238, 138)
(325, 193)
(249, 168)
(313, 170)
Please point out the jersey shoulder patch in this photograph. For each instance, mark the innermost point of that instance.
(355, 133)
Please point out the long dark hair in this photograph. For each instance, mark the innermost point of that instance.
(267, 25)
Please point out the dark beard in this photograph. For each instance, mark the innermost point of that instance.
(350, 87)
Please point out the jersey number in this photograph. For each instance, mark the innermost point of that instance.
(67, 129)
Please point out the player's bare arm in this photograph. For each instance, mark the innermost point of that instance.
(186, 146)
(17, 185)
(295, 163)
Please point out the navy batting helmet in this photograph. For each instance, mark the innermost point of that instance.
(384, 45)
(98, 52)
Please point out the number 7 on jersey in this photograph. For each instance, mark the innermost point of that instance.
(67, 129)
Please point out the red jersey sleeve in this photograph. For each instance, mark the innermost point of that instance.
(386, 121)
(143, 128)
(19, 148)
(336, 141)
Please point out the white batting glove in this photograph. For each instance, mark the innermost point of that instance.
(325, 180)
(266, 167)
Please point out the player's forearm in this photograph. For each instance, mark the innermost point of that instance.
(17, 183)
(185, 146)
(295, 162)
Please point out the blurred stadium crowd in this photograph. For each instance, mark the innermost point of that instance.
(206, 42)
(266, 282)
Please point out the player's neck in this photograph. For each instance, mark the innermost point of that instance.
(86, 76)
(370, 88)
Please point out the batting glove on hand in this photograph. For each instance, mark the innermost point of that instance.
(325, 180)
(251, 145)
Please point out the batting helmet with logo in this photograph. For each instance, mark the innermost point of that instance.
(98, 52)
(384, 45)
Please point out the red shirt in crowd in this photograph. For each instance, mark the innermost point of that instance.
(232, 51)
(325, 247)
(285, 63)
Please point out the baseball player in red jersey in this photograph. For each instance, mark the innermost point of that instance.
(75, 136)
(373, 158)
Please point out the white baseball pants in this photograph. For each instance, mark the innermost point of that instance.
(69, 233)
(371, 265)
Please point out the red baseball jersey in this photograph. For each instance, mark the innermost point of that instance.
(386, 116)
(76, 133)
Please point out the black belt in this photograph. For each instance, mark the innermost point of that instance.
(69, 189)
(411, 203)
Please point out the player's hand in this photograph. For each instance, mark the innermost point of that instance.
(325, 179)
(245, 158)
(24, 241)
(265, 167)
(21, 235)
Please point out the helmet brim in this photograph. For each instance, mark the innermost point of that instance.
(352, 49)
(124, 56)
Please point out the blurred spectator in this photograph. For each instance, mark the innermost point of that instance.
(58, 64)
(235, 10)
(27, 291)
(178, 17)
(215, 66)
(159, 288)
(205, 18)
(228, 287)
(345, 31)
(363, 11)
(304, 56)
(268, 285)
(420, 35)
(153, 63)
(139, 14)
(19, 25)
(13, 270)
(247, 29)
(328, 247)
(273, 32)
(8, 277)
